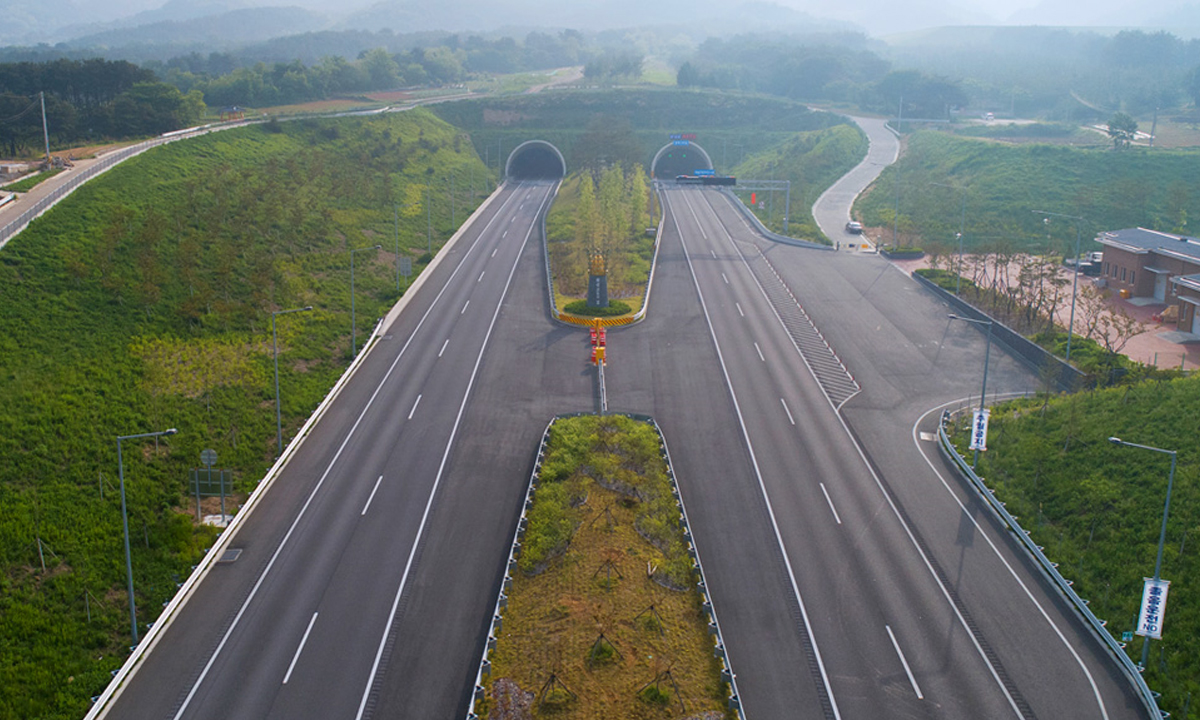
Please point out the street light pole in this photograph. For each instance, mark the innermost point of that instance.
(1162, 534)
(125, 524)
(987, 353)
(275, 353)
(396, 222)
(353, 326)
(1075, 280)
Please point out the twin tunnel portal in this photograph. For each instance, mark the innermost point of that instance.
(541, 160)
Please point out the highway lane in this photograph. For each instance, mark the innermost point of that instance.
(311, 600)
(871, 603)
(907, 357)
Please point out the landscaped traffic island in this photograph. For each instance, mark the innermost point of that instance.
(604, 617)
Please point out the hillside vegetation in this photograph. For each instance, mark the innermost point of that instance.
(812, 161)
(1097, 507)
(143, 302)
(1005, 184)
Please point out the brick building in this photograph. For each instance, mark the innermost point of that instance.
(1162, 267)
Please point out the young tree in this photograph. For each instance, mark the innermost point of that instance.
(1122, 128)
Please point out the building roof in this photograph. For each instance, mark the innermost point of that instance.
(1142, 241)
(1192, 282)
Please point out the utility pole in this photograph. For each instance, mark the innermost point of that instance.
(45, 129)
(896, 208)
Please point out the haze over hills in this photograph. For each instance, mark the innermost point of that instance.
(225, 23)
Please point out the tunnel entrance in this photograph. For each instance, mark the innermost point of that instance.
(673, 160)
(535, 160)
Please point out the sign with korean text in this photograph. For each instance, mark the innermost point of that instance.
(679, 142)
(702, 172)
(683, 136)
(979, 429)
(1154, 605)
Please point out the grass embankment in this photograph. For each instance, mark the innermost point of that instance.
(730, 126)
(611, 215)
(1097, 507)
(812, 161)
(28, 183)
(143, 302)
(603, 518)
(1005, 184)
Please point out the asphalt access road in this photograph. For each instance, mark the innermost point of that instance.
(301, 625)
(832, 209)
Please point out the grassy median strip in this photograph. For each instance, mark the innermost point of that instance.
(603, 617)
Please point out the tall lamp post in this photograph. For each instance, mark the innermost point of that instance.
(353, 327)
(987, 352)
(1162, 534)
(396, 208)
(962, 220)
(275, 352)
(1075, 280)
(125, 523)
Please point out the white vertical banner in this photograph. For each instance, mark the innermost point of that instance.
(1154, 606)
(979, 429)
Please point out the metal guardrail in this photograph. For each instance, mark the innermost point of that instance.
(714, 628)
(1050, 569)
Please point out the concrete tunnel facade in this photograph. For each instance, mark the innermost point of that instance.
(672, 160)
(535, 160)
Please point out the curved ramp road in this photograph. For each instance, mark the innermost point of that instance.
(880, 588)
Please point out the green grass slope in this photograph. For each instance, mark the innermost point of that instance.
(1097, 507)
(143, 302)
(1006, 183)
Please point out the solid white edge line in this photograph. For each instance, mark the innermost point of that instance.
(443, 347)
(391, 618)
(321, 482)
(829, 500)
(760, 355)
(300, 649)
(414, 407)
(879, 484)
(758, 473)
(791, 419)
(903, 661)
(1046, 616)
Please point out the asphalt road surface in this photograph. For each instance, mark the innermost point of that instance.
(880, 587)
(339, 606)
(853, 574)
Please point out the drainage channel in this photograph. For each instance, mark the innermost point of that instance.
(837, 382)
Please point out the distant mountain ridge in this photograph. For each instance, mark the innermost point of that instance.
(220, 31)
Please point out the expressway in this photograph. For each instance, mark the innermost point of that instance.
(847, 586)
(301, 625)
(879, 579)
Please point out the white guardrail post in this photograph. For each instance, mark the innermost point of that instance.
(1115, 648)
